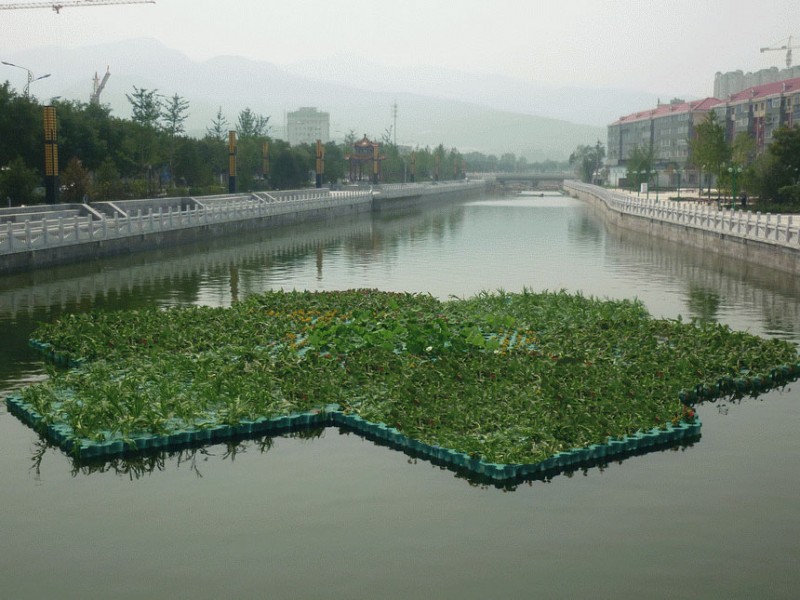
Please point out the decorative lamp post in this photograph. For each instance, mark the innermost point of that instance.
(679, 185)
(31, 78)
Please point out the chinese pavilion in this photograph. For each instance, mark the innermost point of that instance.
(366, 153)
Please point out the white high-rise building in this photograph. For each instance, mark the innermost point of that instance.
(307, 125)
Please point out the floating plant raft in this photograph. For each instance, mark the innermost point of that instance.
(501, 384)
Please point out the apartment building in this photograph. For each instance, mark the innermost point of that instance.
(307, 125)
(760, 110)
(667, 129)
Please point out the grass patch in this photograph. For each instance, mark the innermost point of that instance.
(508, 378)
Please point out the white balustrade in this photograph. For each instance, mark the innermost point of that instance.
(60, 231)
(780, 230)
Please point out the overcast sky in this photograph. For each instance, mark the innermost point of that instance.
(665, 47)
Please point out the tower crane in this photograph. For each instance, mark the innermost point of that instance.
(788, 47)
(98, 87)
(57, 6)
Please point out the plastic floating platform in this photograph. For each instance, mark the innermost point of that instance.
(84, 449)
(331, 416)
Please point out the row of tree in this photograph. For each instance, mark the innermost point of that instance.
(104, 157)
(771, 175)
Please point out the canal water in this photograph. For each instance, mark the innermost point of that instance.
(334, 515)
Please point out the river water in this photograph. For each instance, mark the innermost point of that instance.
(334, 515)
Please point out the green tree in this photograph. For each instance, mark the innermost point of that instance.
(291, 165)
(587, 160)
(334, 163)
(18, 183)
(107, 182)
(75, 181)
(20, 128)
(785, 148)
(219, 127)
(174, 114)
(146, 107)
(507, 162)
(639, 165)
(251, 125)
(743, 149)
(708, 149)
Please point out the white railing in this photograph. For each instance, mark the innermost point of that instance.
(399, 190)
(777, 230)
(62, 231)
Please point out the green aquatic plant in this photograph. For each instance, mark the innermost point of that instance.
(507, 378)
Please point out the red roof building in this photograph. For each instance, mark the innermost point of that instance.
(757, 111)
(760, 110)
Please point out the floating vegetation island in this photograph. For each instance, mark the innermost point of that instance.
(504, 379)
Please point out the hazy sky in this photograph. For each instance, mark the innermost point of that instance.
(665, 47)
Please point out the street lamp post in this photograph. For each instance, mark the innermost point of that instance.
(679, 184)
(705, 169)
(31, 78)
(733, 170)
(656, 180)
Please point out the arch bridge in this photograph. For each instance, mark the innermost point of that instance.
(529, 181)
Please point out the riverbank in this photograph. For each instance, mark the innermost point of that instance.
(767, 240)
(46, 236)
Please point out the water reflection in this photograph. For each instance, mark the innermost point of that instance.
(703, 303)
(708, 286)
(136, 466)
(551, 242)
(193, 457)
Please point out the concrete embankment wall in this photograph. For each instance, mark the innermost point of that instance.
(756, 249)
(137, 225)
(91, 250)
(399, 197)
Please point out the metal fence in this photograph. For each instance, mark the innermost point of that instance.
(775, 229)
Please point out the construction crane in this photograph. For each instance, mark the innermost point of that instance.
(57, 6)
(98, 86)
(788, 47)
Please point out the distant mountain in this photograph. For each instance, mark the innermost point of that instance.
(593, 106)
(483, 113)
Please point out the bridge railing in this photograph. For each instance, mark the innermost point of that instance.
(62, 231)
(778, 230)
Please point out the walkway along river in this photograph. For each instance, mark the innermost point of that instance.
(337, 516)
(771, 240)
